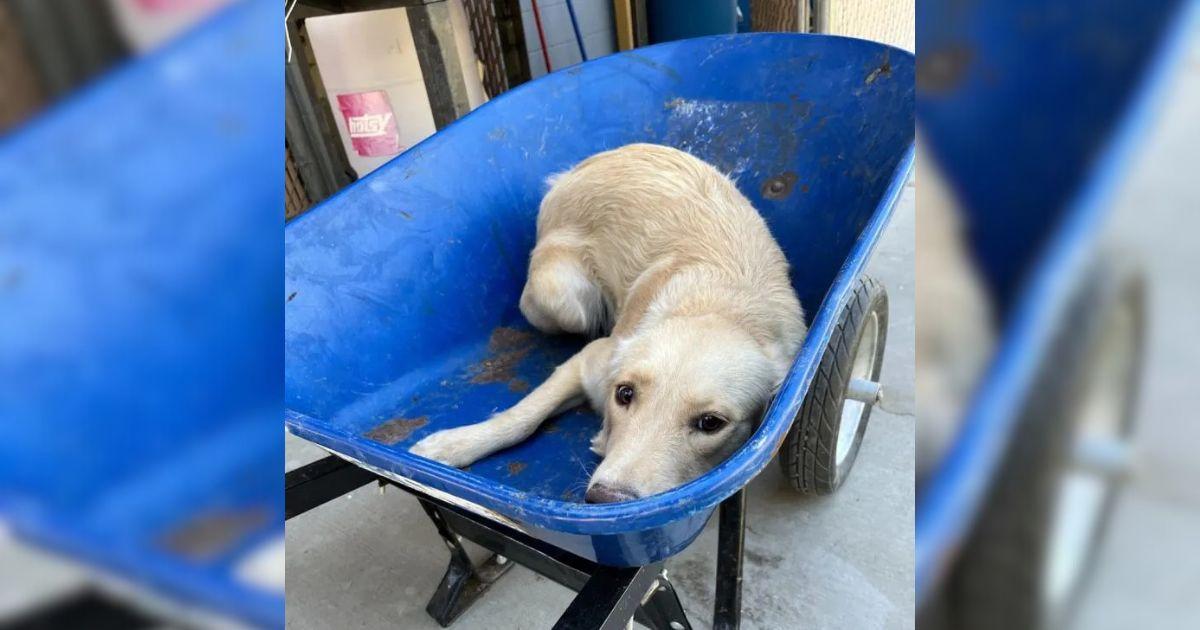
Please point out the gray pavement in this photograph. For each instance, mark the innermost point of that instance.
(371, 560)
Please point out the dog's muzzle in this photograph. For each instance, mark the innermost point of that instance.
(600, 493)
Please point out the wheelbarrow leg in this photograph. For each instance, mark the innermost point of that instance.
(727, 607)
(464, 582)
(662, 609)
(610, 598)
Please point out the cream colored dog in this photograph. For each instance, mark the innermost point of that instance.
(660, 251)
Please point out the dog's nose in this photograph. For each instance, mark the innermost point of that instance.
(600, 493)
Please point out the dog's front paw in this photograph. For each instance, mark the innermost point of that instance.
(453, 447)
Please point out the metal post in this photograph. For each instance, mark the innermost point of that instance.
(727, 605)
(311, 130)
(69, 42)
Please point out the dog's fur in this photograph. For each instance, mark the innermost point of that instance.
(659, 250)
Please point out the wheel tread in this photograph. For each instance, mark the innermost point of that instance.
(807, 455)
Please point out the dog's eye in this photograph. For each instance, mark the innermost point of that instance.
(710, 422)
(624, 394)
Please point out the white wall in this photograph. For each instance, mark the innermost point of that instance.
(595, 23)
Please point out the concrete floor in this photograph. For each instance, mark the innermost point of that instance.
(371, 560)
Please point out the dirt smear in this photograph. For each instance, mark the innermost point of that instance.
(395, 430)
(884, 70)
(942, 70)
(515, 468)
(766, 560)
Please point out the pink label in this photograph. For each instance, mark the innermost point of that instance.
(371, 123)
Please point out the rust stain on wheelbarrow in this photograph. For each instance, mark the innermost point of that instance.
(507, 348)
(395, 430)
(211, 534)
(780, 186)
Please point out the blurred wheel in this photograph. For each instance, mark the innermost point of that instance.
(1037, 537)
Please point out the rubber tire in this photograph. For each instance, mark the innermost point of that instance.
(997, 581)
(807, 455)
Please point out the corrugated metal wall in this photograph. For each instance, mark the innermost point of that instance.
(296, 198)
(789, 16)
(888, 21)
(486, 39)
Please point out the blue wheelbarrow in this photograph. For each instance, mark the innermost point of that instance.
(402, 291)
(138, 415)
(1009, 520)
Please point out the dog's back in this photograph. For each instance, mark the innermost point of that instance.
(620, 213)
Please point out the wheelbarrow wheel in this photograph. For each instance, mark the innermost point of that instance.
(1027, 560)
(821, 446)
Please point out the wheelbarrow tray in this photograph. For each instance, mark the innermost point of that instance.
(402, 290)
(1032, 241)
(138, 415)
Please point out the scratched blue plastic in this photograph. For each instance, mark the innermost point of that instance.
(139, 376)
(395, 286)
(1083, 81)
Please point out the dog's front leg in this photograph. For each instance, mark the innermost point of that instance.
(567, 387)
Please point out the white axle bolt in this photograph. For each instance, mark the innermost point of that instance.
(864, 391)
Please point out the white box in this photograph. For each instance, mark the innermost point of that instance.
(372, 77)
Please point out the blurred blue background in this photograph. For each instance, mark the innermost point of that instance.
(141, 290)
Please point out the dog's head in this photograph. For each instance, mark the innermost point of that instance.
(680, 399)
